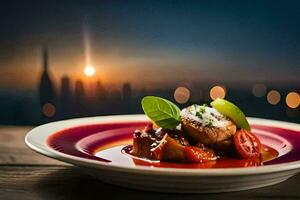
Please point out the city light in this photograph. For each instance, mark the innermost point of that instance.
(49, 110)
(259, 90)
(89, 71)
(273, 97)
(217, 92)
(182, 95)
(292, 100)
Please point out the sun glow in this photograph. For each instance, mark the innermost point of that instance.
(89, 70)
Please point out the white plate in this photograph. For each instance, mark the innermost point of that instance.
(171, 179)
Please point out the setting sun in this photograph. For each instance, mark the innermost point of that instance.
(89, 71)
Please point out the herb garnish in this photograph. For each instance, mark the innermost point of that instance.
(199, 115)
(202, 109)
(163, 112)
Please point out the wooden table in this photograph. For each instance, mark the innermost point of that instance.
(25, 174)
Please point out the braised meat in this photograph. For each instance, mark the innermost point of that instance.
(155, 143)
(166, 145)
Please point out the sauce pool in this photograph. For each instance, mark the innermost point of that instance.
(121, 155)
(267, 154)
(109, 143)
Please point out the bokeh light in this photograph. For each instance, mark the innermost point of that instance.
(259, 90)
(273, 97)
(182, 95)
(49, 110)
(292, 100)
(89, 71)
(217, 92)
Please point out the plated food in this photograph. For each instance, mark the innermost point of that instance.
(197, 134)
(199, 149)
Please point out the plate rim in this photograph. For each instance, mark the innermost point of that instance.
(33, 141)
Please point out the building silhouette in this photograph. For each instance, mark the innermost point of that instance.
(47, 94)
(66, 100)
(127, 97)
(101, 92)
(79, 99)
(102, 98)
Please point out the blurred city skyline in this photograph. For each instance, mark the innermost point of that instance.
(153, 42)
(68, 59)
(68, 99)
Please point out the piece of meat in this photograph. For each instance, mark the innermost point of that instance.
(169, 150)
(168, 145)
(142, 144)
(154, 147)
(207, 126)
(224, 147)
(175, 134)
(158, 144)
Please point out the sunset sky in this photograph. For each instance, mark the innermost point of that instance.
(151, 42)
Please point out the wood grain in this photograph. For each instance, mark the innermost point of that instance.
(67, 182)
(26, 175)
(13, 150)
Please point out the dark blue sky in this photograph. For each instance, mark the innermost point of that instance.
(231, 40)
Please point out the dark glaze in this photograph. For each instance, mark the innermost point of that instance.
(268, 154)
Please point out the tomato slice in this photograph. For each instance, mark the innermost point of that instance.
(197, 155)
(247, 144)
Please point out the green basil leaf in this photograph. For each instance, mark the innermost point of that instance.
(164, 113)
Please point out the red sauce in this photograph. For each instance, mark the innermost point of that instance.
(88, 142)
(268, 154)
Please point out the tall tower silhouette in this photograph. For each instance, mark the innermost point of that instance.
(80, 98)
(101, 92)
(126, 92)
(127, 97)
(66, 101)
(102, 99)
(47, 94)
